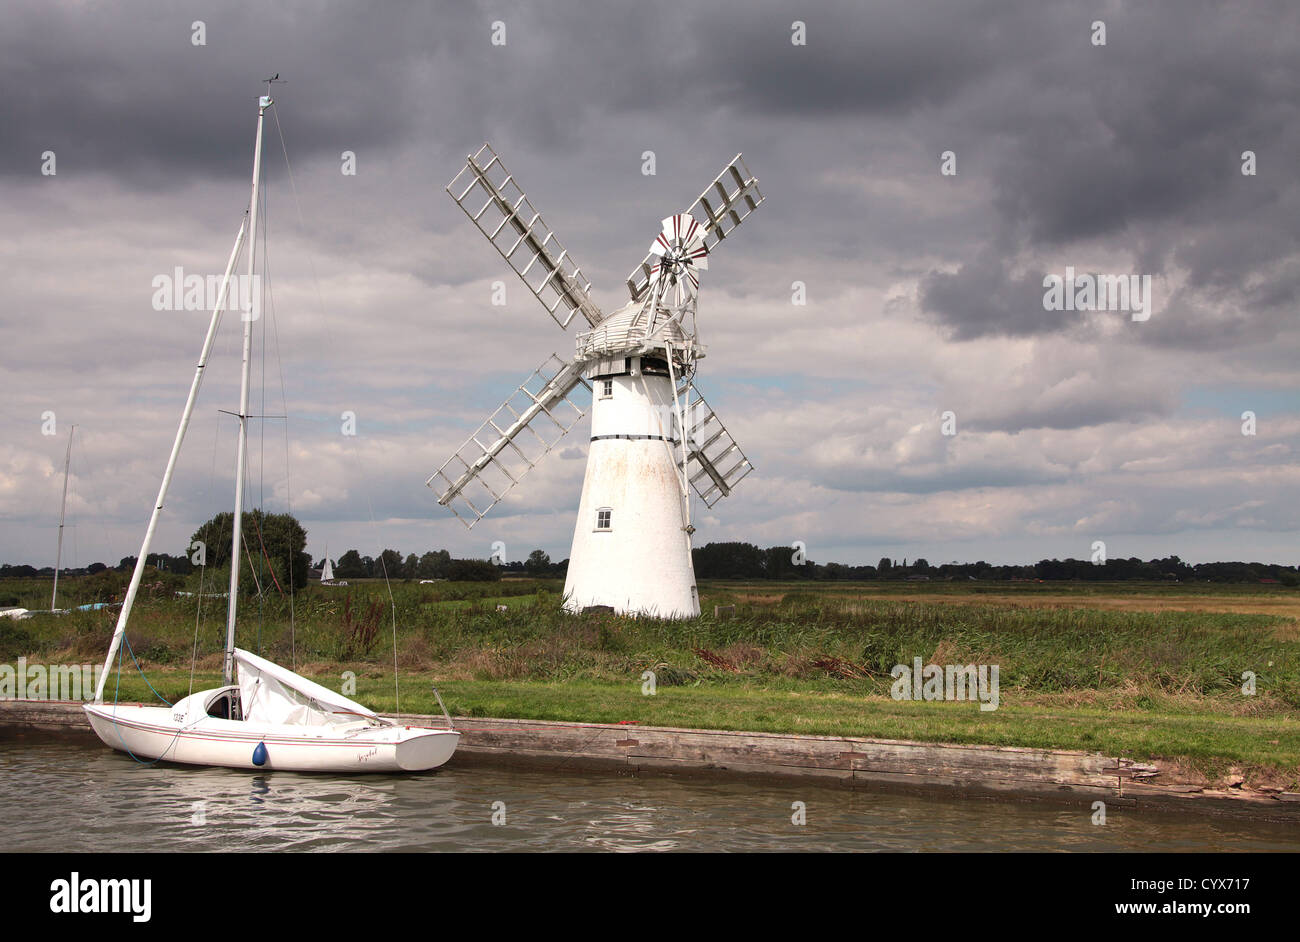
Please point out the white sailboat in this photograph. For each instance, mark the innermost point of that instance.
(327, 573)
(263, 716)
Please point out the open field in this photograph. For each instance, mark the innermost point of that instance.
(1146, 671)
(1113, 596)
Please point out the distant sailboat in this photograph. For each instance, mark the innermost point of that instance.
(63, 507)
(263, 716)
(58, 555)
(327, 574)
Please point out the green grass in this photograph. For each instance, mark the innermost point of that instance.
(800, 658)
(1207, 740)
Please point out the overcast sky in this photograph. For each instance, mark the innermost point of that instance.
(924, 290)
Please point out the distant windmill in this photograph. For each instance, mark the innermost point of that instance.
(632, 541)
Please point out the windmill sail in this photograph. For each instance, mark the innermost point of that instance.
(714, 462)
(492, 460)
(725, 204)
(489, 195)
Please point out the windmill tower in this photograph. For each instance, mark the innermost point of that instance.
(653, 437)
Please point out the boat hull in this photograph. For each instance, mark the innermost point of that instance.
(153, 733)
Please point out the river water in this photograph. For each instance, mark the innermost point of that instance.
(97, 800)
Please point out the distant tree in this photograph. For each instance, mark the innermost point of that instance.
(885, 565)
(434, 565)
(94, 568)
(159, 561)
(177, 565)
(274, 548)
(410, 566)
(728, 561)
(389, 564)
(275, 545)
(778, 562)
(473, 570)
(921, 565)
(538, 564)
(350, 566)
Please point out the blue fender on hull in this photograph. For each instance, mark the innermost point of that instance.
(259, 754)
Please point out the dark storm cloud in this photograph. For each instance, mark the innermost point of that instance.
(982, 297)
(1139, 143)
(873, 58)
(1256, 232)
(121, 90)
(1151, 126)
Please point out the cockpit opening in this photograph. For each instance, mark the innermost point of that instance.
(225, 705)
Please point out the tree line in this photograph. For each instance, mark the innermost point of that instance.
(275, 555)
(439, 564)
(747, 561)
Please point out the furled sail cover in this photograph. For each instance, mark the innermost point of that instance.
(271, 694)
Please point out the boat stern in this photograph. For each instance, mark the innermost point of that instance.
(424, 749)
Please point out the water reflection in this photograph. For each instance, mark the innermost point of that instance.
(106, 801)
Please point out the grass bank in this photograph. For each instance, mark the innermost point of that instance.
(1158, 679)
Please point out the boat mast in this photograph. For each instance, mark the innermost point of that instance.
(58, 559)
(228, 669)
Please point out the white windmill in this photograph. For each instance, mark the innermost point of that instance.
(632, 540)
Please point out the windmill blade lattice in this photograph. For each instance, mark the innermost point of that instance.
(724, 205)
(492, 460)
(715, 463)
(494, 201)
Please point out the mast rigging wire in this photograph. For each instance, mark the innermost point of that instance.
(293, 188)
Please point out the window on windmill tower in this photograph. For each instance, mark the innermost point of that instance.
(606, 388)
(602, 518)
